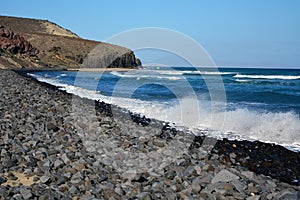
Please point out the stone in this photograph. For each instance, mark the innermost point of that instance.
(240, 196)
(207, 178)
(156, 186)
(188, 171)
(208, 168)
(232, 155)
(65, 158)
(45, 179)
(131, 176)
(196, 187)
(46, 164)
(26, 194)
(73, 190)
(288, 194)
(119, 191)
(27, 171)
(53, 127)
(224, 176)
(256, 197)
(198, 169)
(144, 196)
(60, 180)
(228, 187)
(79, 166)
(253, 189)
(214, 186)
(18, 197)
(239, 186)
(63, 188)
(272, 195)
(158, 143)
(248, 174)
(271, 184)
(2, 179)
(110, 194)
(185, 194)
(182, 162)
(170, 174)
(68, 175)
(35, 179)
(58, 163)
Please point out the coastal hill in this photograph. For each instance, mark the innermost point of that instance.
(39, 43)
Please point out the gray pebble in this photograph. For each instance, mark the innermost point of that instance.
(73, 190)
(26, 194)
(45, 179)
(224, 176)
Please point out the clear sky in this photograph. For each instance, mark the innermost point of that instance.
(234, 32)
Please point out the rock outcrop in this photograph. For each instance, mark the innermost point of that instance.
(16, 51)
(111, 56)
(16, 44)
(56, 46)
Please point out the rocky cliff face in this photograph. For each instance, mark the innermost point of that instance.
(43, 43)
(110, 56)
(16, 44)
(126, 59)
(15, 51)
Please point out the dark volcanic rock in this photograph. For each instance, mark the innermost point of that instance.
(142, 120)
(263, 158)
(127, 60)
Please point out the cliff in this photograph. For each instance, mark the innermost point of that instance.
(48, 44)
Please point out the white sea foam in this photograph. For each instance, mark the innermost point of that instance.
(217, 73)
(164, 74)
(267, 77)
(177, 72)
(242, 80)
(145, 75)
(281, 128)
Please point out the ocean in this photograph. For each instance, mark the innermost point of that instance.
(234, 103)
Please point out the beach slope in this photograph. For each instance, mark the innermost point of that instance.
(56, 145)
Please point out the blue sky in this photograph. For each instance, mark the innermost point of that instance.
(234, 32)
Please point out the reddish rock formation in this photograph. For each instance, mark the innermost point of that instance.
(15, 43)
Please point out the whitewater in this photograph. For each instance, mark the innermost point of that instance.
(260, 104)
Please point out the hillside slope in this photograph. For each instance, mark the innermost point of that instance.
(60, 47)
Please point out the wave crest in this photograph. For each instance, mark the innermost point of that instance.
(267, 77)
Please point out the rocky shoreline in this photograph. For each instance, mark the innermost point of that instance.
(57, 146)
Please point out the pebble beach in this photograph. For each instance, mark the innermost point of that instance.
(54, 145)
